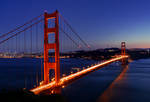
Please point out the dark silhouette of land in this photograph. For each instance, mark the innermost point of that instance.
(27, 96)
(107, 53)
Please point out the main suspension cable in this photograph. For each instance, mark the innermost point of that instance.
(20, 31)
(3, 35)
(73, 31)
(70, 38)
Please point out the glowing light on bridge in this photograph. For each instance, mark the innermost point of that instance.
(75, 75)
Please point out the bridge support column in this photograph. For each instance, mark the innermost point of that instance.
(51, 46)
(123, 48)
(123, 52)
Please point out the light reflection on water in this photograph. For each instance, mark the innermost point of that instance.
(110, 92)
(113, 83)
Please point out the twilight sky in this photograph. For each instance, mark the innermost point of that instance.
(102, 23)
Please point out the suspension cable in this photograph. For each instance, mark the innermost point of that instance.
(21, 26)
(20, 31)
(70, 38)
(74, 31)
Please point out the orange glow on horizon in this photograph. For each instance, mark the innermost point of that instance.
(138, 45)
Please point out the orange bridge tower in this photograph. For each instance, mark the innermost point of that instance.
(123, 48)
(51, 46)
(123, 52)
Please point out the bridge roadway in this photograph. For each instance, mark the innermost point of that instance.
(68, 78)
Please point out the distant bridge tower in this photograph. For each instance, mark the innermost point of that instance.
(51, 46)
(123, 53)
(123, 48)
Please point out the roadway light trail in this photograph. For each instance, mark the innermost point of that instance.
(75, 75)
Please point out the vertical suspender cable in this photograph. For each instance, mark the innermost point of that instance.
(16, 47)
(25, 42)
(25, 71)
(31, 40)
(37, 52)
(31, 55)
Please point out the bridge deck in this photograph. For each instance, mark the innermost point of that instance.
(74, 75)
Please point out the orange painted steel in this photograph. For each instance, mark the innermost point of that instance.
(123, 52)
(68, 78)
(51, 46)
(123, 48)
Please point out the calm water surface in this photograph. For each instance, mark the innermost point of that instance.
(113, 83)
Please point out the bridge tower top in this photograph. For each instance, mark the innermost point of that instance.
(123, 48)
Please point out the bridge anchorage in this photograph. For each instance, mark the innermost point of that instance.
(54, 86)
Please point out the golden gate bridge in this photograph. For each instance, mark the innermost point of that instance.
(50, 42)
